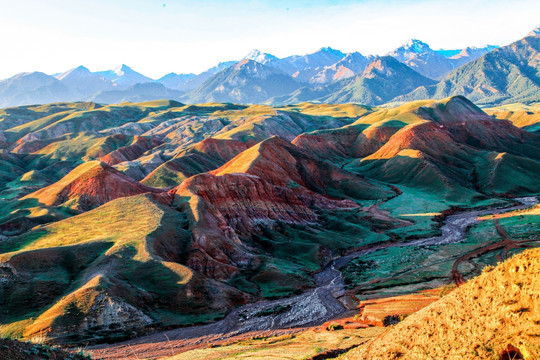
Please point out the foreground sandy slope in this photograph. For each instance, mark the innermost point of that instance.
(483, 319)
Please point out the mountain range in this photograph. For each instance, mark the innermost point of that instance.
(327, 67)
(506, 75)
(410, 72)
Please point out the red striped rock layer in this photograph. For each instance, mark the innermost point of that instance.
(229, 207)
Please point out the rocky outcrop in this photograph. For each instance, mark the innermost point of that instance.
(90, 313)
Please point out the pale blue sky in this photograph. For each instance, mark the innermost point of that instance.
(157, 37)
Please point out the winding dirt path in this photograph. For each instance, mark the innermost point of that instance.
(506, 243)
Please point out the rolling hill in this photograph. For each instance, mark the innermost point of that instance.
(88, 186)
(120, 220)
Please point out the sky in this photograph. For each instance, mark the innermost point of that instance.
(158, 37)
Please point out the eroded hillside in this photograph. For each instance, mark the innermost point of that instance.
(123, 219)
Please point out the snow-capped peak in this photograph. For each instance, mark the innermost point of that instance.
(259, 56)
(534, 32)
(121, 69)
(253, 54)
(331, 51)
(417, 46)
(253, 69)
(78, 71)
(81, 68)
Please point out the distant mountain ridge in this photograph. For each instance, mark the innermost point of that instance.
(434, 64)
(139, 92)
(382, 80)
(123, 76)
(534, 32)
(85, 82)
(506, 75)
(326, 75)
(26, 88)
(420, 57)
(244, 82)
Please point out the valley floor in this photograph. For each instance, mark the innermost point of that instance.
(293, 325)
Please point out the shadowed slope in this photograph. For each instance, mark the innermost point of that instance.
(105, 274)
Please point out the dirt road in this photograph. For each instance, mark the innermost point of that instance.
(506, 243)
